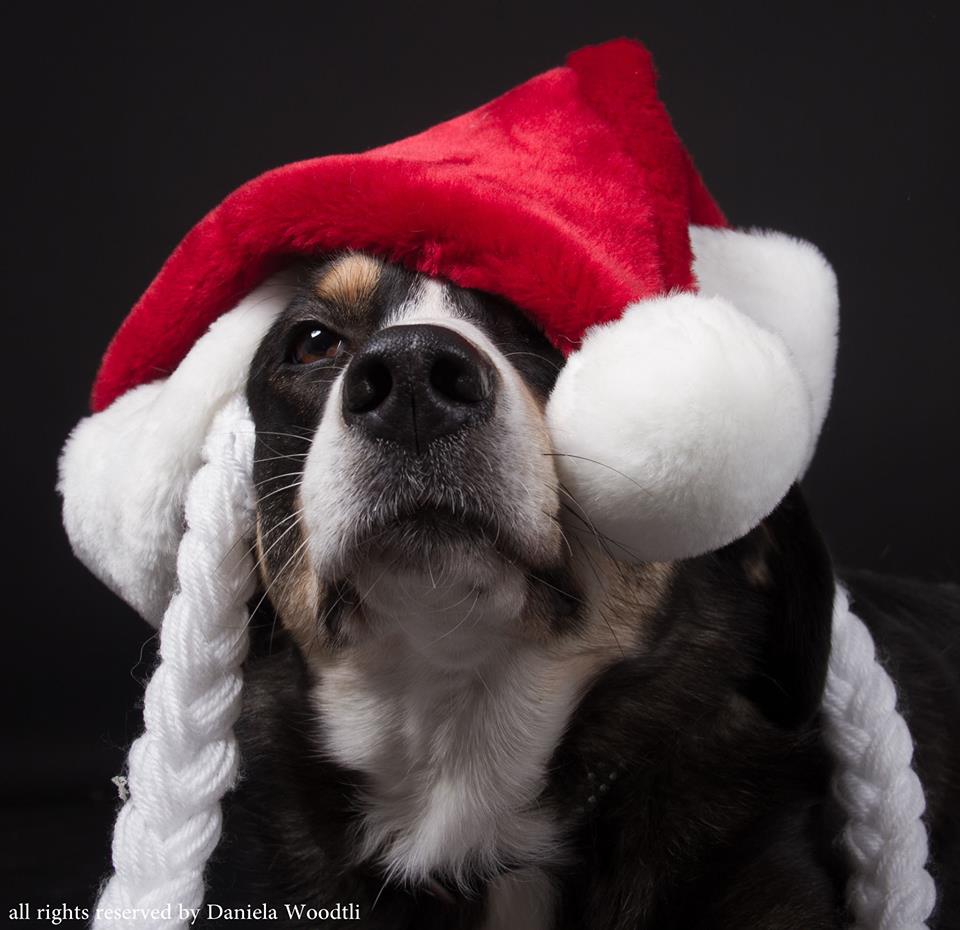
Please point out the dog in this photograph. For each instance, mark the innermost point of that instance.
(463, 710)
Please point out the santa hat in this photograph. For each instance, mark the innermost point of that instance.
(699, 370)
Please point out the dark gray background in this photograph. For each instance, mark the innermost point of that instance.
(126, 122)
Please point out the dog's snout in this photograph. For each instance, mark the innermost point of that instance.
(412, 384)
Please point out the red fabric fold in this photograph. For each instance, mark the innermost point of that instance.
(570, 196)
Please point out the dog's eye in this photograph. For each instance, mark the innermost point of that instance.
(313, 342)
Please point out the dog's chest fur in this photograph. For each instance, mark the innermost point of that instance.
(454, 760)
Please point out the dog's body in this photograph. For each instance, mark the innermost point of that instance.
(467, 710)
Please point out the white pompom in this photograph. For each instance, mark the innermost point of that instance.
(783, 284)
(679, 426)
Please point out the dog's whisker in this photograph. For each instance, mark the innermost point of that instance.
(299, 438)
(301, 552)
(364, 595)
(276, 578)
(290, 516)
(538, 357)
(322, 622)
(602, 539)
(601, 613)
(289, 474)
(274, 458)
(483, 681)
(560, 529)
(263, 559)
(549, 584)
(584, 458)
(289, 487)
(445, 607)
(244, 536)
(466, 616)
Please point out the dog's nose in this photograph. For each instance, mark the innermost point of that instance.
(413, 384)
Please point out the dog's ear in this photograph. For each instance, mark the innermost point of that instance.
(786, 562)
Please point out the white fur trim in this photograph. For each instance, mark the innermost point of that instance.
(679, 426)
(786, 286)
(124, 471)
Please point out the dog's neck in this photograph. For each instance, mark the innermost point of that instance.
(446, 626)
(452, 718)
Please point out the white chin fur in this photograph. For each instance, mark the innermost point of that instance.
(679, 426)
(124, 471)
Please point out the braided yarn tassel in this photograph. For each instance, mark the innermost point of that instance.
(889, 888)
(186, 758)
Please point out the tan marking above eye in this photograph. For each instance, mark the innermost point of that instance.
(350, 282)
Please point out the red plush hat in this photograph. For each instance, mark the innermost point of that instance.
(700, 359)
(570, 195)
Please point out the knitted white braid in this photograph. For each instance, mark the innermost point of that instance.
(889, 888)
(186, 759)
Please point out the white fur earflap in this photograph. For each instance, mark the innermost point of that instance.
(681, 425)
(678, 427)
(124, 471)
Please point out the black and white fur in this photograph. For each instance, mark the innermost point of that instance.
(463, 712)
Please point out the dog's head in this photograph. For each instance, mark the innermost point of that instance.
(407, 482)
(403, 464)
